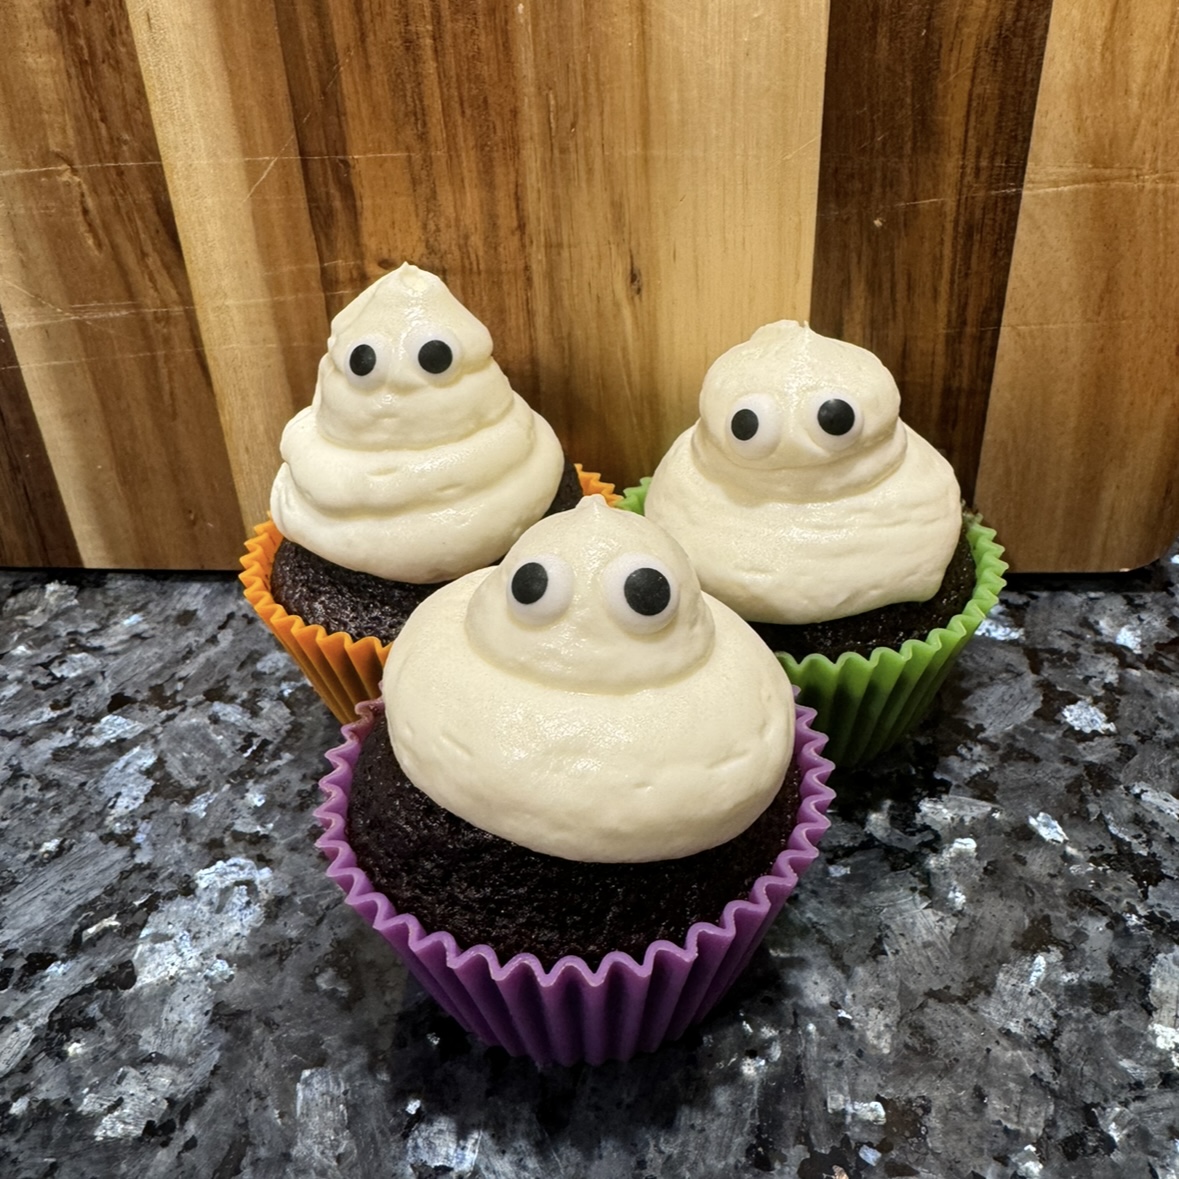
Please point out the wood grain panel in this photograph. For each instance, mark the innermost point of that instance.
(1080, 462)
(407, 128)
(927, 119)
(95, 295)
(620, 191)
(217, 90)
(34, 527)
(670, 181)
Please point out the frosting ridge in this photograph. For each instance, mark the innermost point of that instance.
(416, 461)
(633, 719)
(799, 494)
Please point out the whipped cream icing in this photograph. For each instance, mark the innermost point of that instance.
(585, 699)
(800, 495)
(416, 461)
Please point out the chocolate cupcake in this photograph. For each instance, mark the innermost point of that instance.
(414, 464)
(588, 768)
(806, 504)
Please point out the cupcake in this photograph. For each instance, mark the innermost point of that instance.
(415, 463)
(585, 797)
(807, 505)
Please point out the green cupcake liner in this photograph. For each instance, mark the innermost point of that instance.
(866, 705)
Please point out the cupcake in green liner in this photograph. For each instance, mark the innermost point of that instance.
(809, 507)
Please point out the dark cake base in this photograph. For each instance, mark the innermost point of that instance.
(486, 890)
(329, 595)
(889, 626)
(337, 598)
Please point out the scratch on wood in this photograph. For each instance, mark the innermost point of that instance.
(790, 155)
(14, 323)
(282, 151)
(1155, 180)
(57, 169)
(89, 361)
(83, 313)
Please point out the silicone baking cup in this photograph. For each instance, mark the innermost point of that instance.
(344, 669)
(570, 1013)
(866, 705)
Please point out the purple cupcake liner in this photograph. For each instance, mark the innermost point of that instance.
(570, 1013)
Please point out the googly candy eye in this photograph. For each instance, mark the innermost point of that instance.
(641, 592)
(837, 420)
(754, 426)
(365, 362)
(540, 589)
(435, 352)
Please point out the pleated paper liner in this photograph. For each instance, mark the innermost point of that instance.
(866, 705)
(570, 1012)
(344, 669)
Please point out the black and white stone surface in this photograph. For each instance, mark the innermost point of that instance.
(980, 976)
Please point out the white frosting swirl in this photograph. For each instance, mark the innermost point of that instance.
(415, 461)
(583, 727)
(800, 495)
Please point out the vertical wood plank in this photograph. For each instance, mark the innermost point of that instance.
(927, 119)
(407, 136)
(1080, 462)
(670, 181)
(95, 296)
(219, 101)
(406, 123)
(620, 190)
(34, 527)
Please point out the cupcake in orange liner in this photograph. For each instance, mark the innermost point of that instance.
(342, 669)
(415, 463)
(806, 504)
(586, 795)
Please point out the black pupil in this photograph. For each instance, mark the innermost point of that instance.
(836, 416)
(529, 583)
(435, 356)
(744, 425)
(363, 359)
(647, 591)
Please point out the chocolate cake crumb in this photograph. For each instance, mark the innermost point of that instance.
(888, 626)
(337, 598)
(569, 493)
(486, 890)
(329, 595)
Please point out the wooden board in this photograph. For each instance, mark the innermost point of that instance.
(214, 79)
(671, 194)
(34, 527)
(1081, 456)
(618, 201)
(621, 191)
(926, 125)
(95, 294)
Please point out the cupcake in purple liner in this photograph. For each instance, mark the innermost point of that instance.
(589, 795)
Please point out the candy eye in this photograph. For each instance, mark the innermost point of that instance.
(836, 416)
(436, 353)
(754, 426)
(540, 589)
(641, 592)
(839, 422)
(362, 359)
(366, 362)
(435, 356)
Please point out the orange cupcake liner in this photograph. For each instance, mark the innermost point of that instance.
(592, 484)
(344, 670)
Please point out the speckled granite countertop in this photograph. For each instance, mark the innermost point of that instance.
(980, 976)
